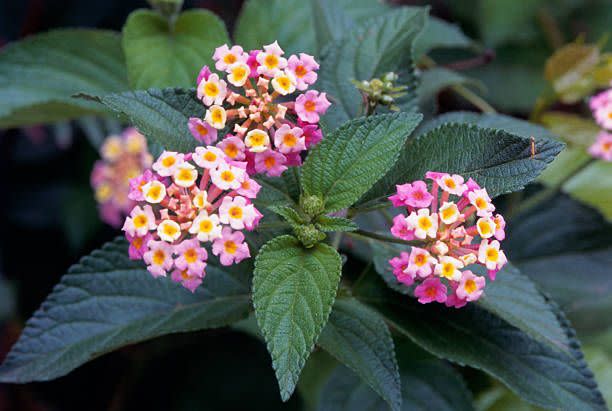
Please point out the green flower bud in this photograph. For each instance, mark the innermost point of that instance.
(308, 235)
(312, 205)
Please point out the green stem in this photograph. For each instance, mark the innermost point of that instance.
(384, 238)
(473, 98)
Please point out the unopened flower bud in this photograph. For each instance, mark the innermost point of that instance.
(308, 235)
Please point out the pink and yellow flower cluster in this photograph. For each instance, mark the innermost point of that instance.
(269, 126)
(124, 157)
(601, 106)
(188, 201)
(456, 224)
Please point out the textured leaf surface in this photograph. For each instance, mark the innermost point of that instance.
(161, 56)
(331, 224)
(500, 161)
(293, 292)
(570, 260)
(360, 339)
(380, 45)
(349, 160)
(426, 385)
(161, 115)
(279, 190)
(538, 372)
(440, 34)
(39, 75)
(107, 301)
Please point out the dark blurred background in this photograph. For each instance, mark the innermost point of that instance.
(48, 216)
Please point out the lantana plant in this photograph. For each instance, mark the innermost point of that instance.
(303, 190)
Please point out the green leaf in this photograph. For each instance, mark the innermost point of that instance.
(427, 384)
(159, 55)
(161, 115)
(498, 160)
(107, 301)
(293, 292)
(379, 45)
(539, 373)
(352, 158)
(435, 80)
(288, 213)
(575, 273)
(290, 22)
(439, 34)
(279, 190)
(360, 339)
(332, 224)
(39, 75)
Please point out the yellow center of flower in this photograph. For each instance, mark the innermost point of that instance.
(154, 192)
(159, 257)
(450, 183)
(191, 256)
(271, 61)
(227, 176)
(104, 192)
(217, 116)
(229, 58)
(203, 131)
(257, 139)
(239, 73)
(245, 185)
(137, 243)
(607, 146)
(289, 140)
(211, 89)
(420, 260)
(206, 226)
(185, 175)
(424, 223)
(235, 212)
(492, 254)
(284, 82)
(230, 247)
(431, 292)
(484, 227)
(310, 106)
(185, 275)
(140, 220)
(300, 71)
(270, 162)
(168, 161)
(231, 150)
(448, 269)
(481, 203)
(470, 286)
(447, 213)
(170, 230)
(210, 156)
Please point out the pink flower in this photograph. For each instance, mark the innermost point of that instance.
(452, 184)
(140, 221)
(288, 139)
(412, 195)
(481, 200)
(249, 188)
(225, 56)
(138, 246)
(602, 147)
(312, 133)
(202, 131)
(237, 211)
(400, 228)
(471, 186)
(187, 279)
(270, 60)
(303, 68)
(231, 247)
(399, 264)
(208, 157)
(452, 300)
(227, 177)
(309, 105)
(421, 263)
(430, 290)
(168, 162)
(500, 225)
(270, 162)
(601, 105)
(158, 258)
(252, 63)
(470, 287)
(137, 183)
(233, 147)
(204, 74)
(191, 257)
(491, 256)
(434, 175)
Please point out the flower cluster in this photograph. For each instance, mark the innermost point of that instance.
(184, 202)
(450, 246)
(269, 129)
(123, 157)
(601, 106)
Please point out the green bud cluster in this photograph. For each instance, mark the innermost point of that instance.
(383, 91)
(308, 234)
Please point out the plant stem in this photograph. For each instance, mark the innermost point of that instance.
(384, 238)
(473, 98)
(354, 211)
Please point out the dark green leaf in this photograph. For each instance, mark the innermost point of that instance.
(360, 339)
(540, 373)
(161, 115)
(349, 160)
(158, 55)
(107, 301)
(440, 34)
(290, 214)
(380, 45)
(293, 292)
(279, 190)
(498, 160)
(39, 75)
(331, 224)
